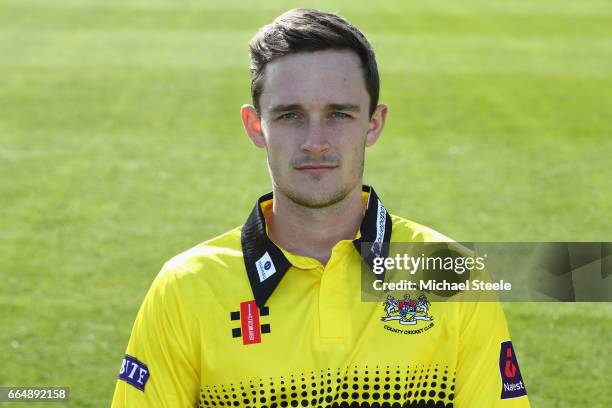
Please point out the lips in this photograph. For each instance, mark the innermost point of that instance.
(316, 168)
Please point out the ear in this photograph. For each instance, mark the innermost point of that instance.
(377, 123)
(252, 125)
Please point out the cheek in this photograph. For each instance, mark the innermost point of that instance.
(279, 149)
(349, 132)
(284, 138)
(280, 153)
(351, 145)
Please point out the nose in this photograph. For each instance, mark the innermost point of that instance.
(316, 139)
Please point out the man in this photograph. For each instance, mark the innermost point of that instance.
(270, 314)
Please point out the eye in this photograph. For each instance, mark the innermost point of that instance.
(340, 115)
(288, 116)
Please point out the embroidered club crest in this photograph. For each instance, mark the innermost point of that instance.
(407, 311)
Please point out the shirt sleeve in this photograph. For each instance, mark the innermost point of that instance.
(161, 365)
(487, 368)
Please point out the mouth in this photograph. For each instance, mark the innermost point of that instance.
(316, 168)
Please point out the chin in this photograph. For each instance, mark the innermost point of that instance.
(317, 199)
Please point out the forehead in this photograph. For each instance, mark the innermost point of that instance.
(315, 78)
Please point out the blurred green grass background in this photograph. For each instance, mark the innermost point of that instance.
(121, 145)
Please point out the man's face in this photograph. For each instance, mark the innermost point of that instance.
(315, 122)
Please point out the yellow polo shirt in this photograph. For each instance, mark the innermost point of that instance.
(239, 322)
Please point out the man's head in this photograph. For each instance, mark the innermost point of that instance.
(315, 91)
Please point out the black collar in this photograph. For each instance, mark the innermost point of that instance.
(266, 264)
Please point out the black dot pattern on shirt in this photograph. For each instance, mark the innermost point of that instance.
(416, 386)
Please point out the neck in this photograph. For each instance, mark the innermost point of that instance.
(313, 232)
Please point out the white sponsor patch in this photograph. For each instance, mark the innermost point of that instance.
(265, 267)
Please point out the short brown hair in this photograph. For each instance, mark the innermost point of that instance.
(309, 30)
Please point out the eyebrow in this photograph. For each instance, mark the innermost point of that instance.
(348, 107)
(285, 108)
